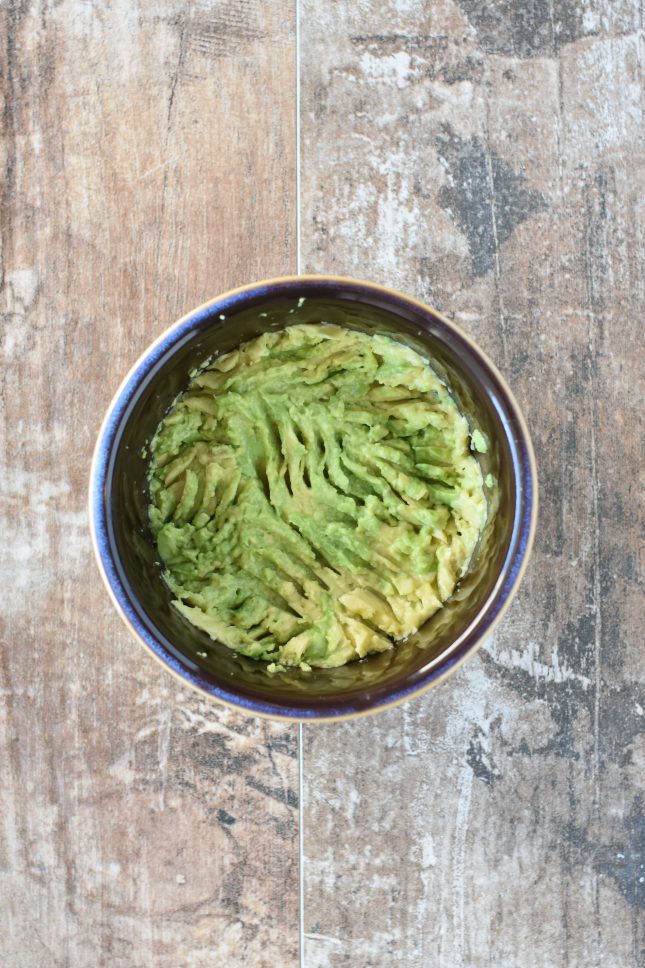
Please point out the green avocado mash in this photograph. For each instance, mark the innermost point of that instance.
(314, 497)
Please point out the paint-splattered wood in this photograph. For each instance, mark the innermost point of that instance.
(487, 157)
(147, 164)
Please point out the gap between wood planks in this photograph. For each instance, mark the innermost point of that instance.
(301, 784)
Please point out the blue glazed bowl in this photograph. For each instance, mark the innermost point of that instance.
(127, 558)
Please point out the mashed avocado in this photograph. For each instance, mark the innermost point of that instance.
(314, 497)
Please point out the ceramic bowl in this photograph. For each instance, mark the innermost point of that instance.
(129, 563)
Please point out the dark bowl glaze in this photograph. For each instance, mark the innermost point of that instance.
(127, 558)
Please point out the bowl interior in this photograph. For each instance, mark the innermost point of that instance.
(378, 679)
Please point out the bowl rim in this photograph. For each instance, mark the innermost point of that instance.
(98, 517)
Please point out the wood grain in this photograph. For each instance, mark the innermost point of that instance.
(488, 158)
(148, 163)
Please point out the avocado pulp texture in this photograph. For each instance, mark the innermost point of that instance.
(313, 496)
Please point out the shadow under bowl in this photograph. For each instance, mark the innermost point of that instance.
(119, 499)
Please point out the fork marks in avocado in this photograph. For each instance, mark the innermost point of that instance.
(313, 496)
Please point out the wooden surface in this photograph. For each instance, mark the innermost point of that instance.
(148, 158)
(486, 157)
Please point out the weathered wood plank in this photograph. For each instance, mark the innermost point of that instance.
(488, 158)
(148, 163)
